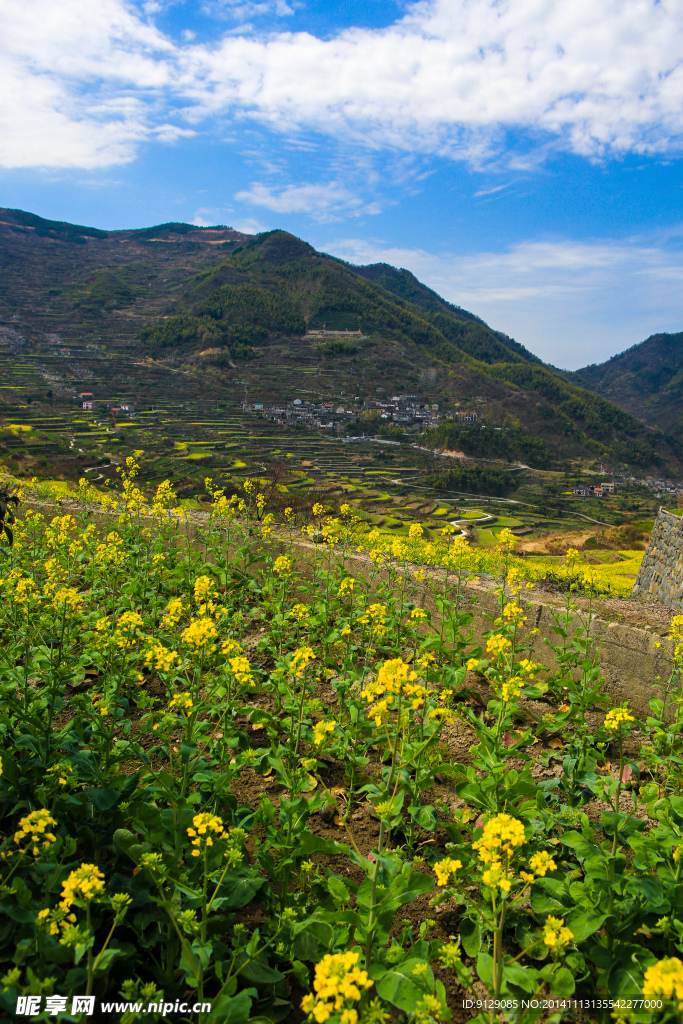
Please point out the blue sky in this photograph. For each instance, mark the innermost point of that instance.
(523, 157)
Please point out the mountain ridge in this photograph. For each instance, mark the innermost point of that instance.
(645, 379)
(214, 301)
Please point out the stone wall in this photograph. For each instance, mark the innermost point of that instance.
(661, 572)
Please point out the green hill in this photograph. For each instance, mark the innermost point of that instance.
(645, 380)
(230, 313)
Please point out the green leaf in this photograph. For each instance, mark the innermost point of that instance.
(562, 983)
(259, 972)
(105, 959)
(546, 897)
(470, 933)
(312, 939)
(400, 987)
(517, 976)
(238, 889)
(580, 845)
(425, 817)
(338, 891)
(583, 923)
(103, 799)
(310, 843)
(233, 1009)
(485, 969)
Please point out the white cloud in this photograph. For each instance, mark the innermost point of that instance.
(598, 74)
(571, 303)
(250, 226)
(81, 83)
(323, 202)
(84, 84)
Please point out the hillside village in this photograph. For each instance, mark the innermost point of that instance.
(408, 411)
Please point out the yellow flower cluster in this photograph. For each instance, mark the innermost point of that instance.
(66, 600)
(513, 614)
(56, 919)
(338, 984)
(200, 633)
(511, 688)
(34, 828)
(83, 885)
(501, 836)
(497, 645)
(375, 617)
(231, 646)
(346, 586)
(62, 770)
(516, 580)
(165, 496)
(529, 668)
(320, 731)
(207, 829)
(58, 532)
(664, 980)
(506, 540)
(331, 530)
(444, 868)
(555, 934)
(128, 628)
(160, 658)
(173, 612)
(111, 552)
(391, 678)
(300, 660)
(182, 701)
(615, 717)
(418, 615)
(300, 612)
(23, 590)
(394, 680)
(282, 566)
(241, 669)
(222, 507)
(415, 532)
(541, 863)
(204, 587)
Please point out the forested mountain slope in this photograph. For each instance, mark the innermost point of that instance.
(245, 309)
(645, 380)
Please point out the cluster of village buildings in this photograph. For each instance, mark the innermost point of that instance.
(89, 404)
(406, 410)
(594, 490)
(660, 488)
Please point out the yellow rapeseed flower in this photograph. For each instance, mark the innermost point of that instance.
(501, 835)
(541, 863)
(83, 885)
(444, 868)
(664, 980)
(320, 731)
(555, 934)
(338, 984)
(36, 829)
(200, 633)
(616, 717)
